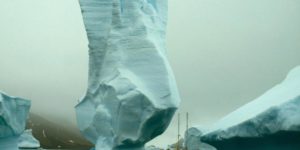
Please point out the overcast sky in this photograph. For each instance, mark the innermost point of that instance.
(224, 53)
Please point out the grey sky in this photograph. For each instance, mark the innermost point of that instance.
(223, 53)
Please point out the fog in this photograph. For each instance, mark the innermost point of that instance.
(223, 53)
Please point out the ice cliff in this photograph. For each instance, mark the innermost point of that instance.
(270, 122)
(13, 115)
(132, 94)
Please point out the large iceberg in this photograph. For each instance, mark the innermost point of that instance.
(132, 94)
(13, 115)
(271, 122)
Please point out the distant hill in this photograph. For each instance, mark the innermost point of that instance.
(52, 135)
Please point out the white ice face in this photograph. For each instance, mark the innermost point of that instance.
(132, 94)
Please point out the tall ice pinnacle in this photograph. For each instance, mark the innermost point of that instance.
(132, 94)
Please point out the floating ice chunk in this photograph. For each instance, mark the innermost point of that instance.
(152, 147)
(27, 140)
(192, 140)
(178, 145)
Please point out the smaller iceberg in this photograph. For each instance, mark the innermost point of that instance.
(192, 140)
(13, 114)
(178, 145)
(28, 141)
(270, 122)
(152, 147)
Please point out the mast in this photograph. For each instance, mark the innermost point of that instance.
(187, 121)
(187, 127)
(178, 136)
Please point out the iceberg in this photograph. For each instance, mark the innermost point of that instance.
(132, 94)
(192, 140)
(13, 115)
(152, 147)
(271, 121)
(28, 141)
(178, 145)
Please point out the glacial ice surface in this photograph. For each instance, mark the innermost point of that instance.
(271, 121)
(27, 140)
(132, 93)
(13, 115)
